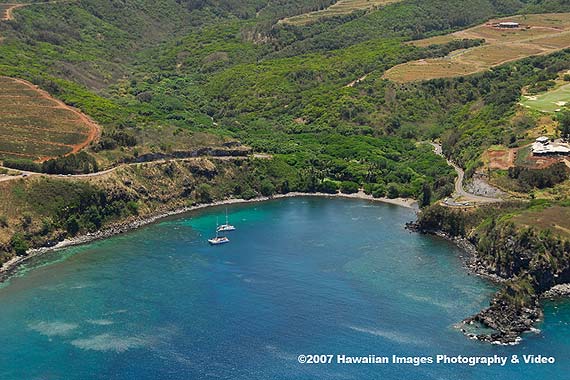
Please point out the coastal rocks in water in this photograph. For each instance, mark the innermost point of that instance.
(557, 291)
(505, 321)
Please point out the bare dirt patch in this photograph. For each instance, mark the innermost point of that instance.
(499, 159)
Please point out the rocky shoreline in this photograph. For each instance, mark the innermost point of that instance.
(10, 267)
(506, 321)
(471, 260)
(557, 291)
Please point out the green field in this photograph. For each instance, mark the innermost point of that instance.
(550, 101)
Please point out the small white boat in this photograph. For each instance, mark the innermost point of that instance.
(218, 239)
(227, 226)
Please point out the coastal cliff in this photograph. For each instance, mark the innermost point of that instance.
(528, 262)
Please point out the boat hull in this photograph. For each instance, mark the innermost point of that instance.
(218, 241)
(226, 228)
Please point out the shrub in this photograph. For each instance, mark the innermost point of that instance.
(204, 193)
(133, 207)
(348, 187)
(539, 178)
(393, 191)
(368, 188)
(248, 194)
(328, 186)
(379, 191)
(80, 163)
(72, 226)
(22, 164)
(19, 245)
(47, 226)
(26, 220)
(267, 188)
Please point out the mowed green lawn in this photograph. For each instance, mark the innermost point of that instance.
(550, 101)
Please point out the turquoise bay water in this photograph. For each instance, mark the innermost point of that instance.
(300, 276)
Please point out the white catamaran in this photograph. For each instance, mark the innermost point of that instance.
(227, 226)
(218, 239)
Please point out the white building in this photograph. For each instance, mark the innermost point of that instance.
(543, 147)
(508, 24)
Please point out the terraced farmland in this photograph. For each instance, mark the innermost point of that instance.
(7, 9)
(537, 34)
(341, 7)
(36, 126)
(3, 11)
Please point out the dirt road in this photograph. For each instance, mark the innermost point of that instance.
(459, 190)
(26, 174)
(9, 11)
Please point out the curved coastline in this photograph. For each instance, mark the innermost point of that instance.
(11, 267)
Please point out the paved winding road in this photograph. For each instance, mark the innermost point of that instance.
(459, 190)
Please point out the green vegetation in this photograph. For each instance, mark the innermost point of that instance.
(218, 79)
(564, 124)
(175, 76)
(80, 163)
(297, 108)
(539, 178)
(339, 8)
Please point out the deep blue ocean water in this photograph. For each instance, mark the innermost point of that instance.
(300, 276)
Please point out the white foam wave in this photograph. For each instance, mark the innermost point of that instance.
(100, 322)
(429, 300)
(53, 328)
(121, 311)
(280, 353)
(390, 335)
(109, 342)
